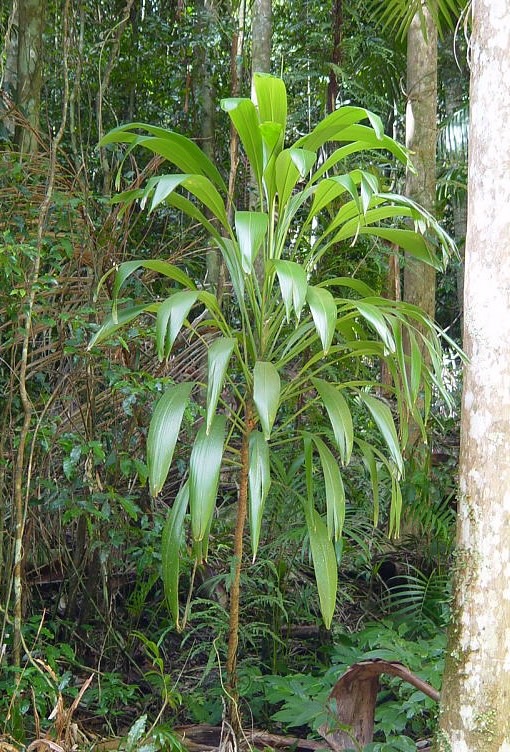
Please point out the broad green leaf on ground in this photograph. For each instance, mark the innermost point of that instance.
(170, 551)
(266, 394)
(163, 432)
(259, 479)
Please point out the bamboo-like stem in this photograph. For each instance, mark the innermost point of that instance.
(233, 629)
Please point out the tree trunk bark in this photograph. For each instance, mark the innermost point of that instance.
(421, 133)
(476, 688)
(261, 36)
(29, 70)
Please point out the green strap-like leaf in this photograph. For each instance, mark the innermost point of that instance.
(333, 126)
(293, 285)
(371, 465)
(374, 317)
(324, 313)
(174, 147)
(162, 267)
(112, 323)
(259, 479)
(291, 165)
(163, 432)
(339, 415)
(266, 394)
(335, 492)
(171, 316)
(170, 551)
(218, 357)
(383, 418)
(271, 98)
(324, 564)
(246, 122)
(251, 229)
(205, 465)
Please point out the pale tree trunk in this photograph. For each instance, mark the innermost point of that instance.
(29, 70)
(475, 699)
(261, 36)
(421, 133)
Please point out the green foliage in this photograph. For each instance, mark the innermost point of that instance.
(284, 321)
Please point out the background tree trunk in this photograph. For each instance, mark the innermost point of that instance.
(261, 36)
(421, 134)
(476, 689)
(29, 73)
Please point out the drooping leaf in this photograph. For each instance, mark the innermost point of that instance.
(324, 313)
(170, 551)
(266, 394)
(204, 466)
(259, 479)
(371, 465)
(163, 432)
(174, 147)
(335, 492)
(333, 127)
(339, 415)
(251, 229)
(371, 313)
(112, 323)
(218, 357)
(395, 508)
(383, 418)
(324, 564)
(329, 189)
(162, 267)
(293, 285)
(171, 316)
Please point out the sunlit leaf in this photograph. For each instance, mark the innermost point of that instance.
(293, 285)
(291, 165)
(324, 313)
(204, 466)
(271, 98)
(245, 118)
(339, 415)
(170, 551)
(259, 479)
(162, 267)
(163, 432)
(218, 357)
(251, 229)
(333, 127)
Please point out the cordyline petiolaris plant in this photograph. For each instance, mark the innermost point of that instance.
(287, 345)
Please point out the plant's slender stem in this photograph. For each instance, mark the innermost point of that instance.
(233, 629)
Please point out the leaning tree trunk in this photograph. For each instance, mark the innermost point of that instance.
(421, 131)
(476, 690)
(29, 70)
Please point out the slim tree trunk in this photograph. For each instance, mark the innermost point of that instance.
(421, 132)
(261, 36)
(29, 70)
(476, 689)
